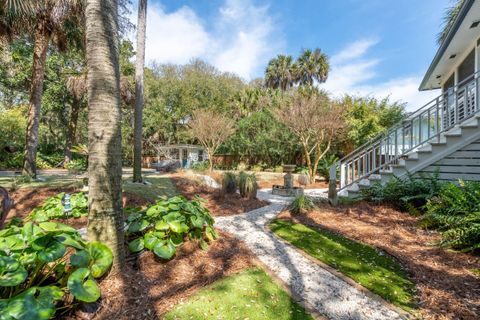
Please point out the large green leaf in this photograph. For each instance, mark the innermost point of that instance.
(150, 240)
(80, 259)
(83, 286)
(136, 245)
(164, 250)
(102, 258)
(55, 226)
(161, 225)
(12, 272)
(34, 303)
(178, 226)
(49, 249)
(72, 240)
(197, 221)
(137, 226)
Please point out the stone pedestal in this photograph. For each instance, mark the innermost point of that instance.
(287, 190)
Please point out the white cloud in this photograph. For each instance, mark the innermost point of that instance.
(354, 72)
(241, 39)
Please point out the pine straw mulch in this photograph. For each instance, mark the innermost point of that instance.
(447, 288)
(218, 203)
(149, 287)
(28, 198)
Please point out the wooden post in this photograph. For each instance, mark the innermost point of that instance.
(332, 186)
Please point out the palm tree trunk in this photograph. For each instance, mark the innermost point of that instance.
(42, 39)
(105, 217)
(72, 129)
(139, 67)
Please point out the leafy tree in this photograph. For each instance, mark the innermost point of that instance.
(139, 68)
(105, 217)
(315, 120)
(312, 65)
(261, 138)
(47, 20)
(366, 117)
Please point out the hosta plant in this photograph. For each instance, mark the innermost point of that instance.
(41, 264)
(165, 226)
(52, 208)
(247, 184)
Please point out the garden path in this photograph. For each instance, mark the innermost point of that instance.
(328, 294)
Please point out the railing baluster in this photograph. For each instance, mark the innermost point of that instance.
(439, 115)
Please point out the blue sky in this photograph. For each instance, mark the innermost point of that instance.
(376, 47)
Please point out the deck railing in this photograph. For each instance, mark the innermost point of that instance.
(426, 124)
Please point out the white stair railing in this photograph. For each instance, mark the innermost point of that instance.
(424, 125)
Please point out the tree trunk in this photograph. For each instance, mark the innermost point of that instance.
(210, 160)
(139, 67)
(105, 217)
(309, 162)
(72, 129)
(42, 37)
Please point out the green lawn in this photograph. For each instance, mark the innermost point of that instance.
(159, 187)
(50, 180)
(251, 294)
(373, 269)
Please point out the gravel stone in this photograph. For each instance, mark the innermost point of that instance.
(327, 293)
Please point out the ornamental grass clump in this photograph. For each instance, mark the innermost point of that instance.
(247, 184)
(229, 182)
(301, 205)
(52, 208)
(165, 226)
(455, 211)
(45, 267)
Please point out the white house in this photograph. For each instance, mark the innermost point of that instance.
(181, 155)
(443, 135)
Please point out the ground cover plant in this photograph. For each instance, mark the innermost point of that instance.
(164, 226)
(409, 193)
(250, 294)
(43, 265)
(53, 208)
(455, 212)
(373, 269)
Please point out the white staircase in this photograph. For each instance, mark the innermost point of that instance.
(447, 124)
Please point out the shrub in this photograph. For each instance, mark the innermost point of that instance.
(201, 166)
(247, 184)
(278, 169)
(455, 211)
(301, 205)
(229, 182)
(408, 193)
(257, 168)
(78, 165)
(242, 166)
(324, 166)
(163, 227)
(37, 269)
(52, 207)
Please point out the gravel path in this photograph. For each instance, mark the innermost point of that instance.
(327, 293)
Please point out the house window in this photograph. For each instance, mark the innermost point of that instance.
(467, 68)
(185, 154)
(200, 155)
(175, 154)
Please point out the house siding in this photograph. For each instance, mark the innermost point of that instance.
(462, 164)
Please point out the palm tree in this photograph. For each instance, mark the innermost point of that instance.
(448, 19)
(105, 217)
(139, 68)
(312, 65)
(47, 20)
(280, 73)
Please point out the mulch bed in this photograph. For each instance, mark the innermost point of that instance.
(217, 203)
(149, 287)
(447, 288)
(28, 198)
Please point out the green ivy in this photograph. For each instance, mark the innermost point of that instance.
(37, 270)
(163, 227)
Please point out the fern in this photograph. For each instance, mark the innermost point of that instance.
(456, 213)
